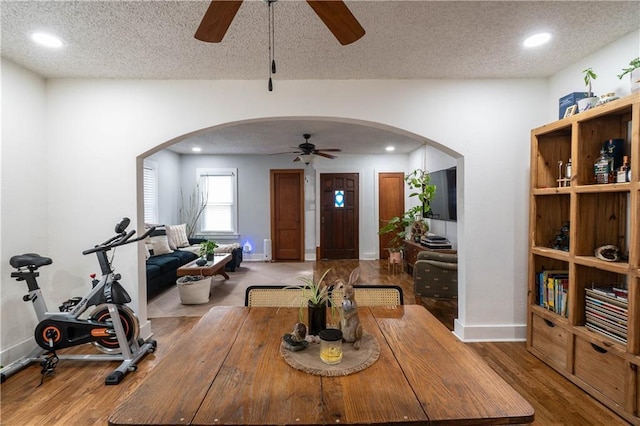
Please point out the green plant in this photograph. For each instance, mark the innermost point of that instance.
(635, 64)
(419, 182)
(207, 247)
(589, 76)
(314, 292)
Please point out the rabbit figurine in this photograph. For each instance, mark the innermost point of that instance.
(350, 322)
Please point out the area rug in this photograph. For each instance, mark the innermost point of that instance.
(230, 292)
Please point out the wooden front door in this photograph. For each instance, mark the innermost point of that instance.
(390, 204)
(287, 215)
(339, 224)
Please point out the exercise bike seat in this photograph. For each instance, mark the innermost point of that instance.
(31, 260)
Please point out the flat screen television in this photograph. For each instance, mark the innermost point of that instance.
(443, 204)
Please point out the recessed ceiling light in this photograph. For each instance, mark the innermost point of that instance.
(196, 149)
(537, 40)
(390, 148)
(47, 40)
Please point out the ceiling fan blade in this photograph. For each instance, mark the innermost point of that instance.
(217, 19)
(339, 19)
(322, 154)
(329, 150)
(288, 152)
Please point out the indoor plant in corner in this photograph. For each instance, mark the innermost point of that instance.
(419, 182)
(590, 101)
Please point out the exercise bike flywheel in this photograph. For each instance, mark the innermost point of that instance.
(130, 323)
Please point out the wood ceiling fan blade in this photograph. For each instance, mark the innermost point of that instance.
(217, 19)
(322, 154)
(330, 149)
(339, 19)
(287, 152)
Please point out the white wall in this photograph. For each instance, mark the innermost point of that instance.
(24, 201)
(96, 129)
(99, 127)
(169, 186)
(607, 63)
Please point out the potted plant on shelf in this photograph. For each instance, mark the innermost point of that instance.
(590, 101)
(419, 182)
(207, 248)
(634, 73)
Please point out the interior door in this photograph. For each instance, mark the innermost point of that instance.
(339, 224)
(287, 215)
(390, 204)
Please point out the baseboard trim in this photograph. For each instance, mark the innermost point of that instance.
(16, 352)
(490, 333)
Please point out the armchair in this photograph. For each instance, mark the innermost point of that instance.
(436, 275)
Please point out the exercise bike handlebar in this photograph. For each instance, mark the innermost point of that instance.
(118, 240)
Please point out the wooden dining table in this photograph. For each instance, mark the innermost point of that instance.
(228, 369)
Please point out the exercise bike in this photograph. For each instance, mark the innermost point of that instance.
(112, 326)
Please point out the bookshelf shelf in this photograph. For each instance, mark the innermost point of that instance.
(595, 343)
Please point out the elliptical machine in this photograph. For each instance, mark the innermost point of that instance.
(112, 326)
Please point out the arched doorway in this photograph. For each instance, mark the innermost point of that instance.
(275, 139)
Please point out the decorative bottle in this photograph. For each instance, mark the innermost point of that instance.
(602, 167)
(567, 173)
(623, 171)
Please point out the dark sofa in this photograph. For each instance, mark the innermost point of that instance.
(161, 270)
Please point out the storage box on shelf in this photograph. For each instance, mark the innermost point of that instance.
(590, 343)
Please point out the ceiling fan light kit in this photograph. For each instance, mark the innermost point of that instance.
(307, 159)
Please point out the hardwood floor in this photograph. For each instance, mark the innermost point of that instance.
(76, 394)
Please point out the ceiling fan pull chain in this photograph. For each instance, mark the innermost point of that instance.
(272, 69)
(273, 39)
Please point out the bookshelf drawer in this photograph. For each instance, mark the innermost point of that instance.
(551, 340)
(601, 369)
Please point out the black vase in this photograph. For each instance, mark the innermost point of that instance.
(209, 257)
(317, 315)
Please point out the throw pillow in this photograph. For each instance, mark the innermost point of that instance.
(177, 235)
(160, 245)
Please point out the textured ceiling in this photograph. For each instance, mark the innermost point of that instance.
(403, 40)
(282, 136)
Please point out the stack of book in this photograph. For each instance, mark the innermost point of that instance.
(553, 288)
(435, 242)
(606, 312)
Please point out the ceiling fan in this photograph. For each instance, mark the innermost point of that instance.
(334, 13)
(307, 150)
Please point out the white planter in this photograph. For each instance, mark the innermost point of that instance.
(587, 103)
(635, 80)
(194, 292)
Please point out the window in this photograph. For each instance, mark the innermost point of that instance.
(220, 215)
(150, 189)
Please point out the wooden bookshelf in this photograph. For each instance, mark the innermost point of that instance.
(604, 365)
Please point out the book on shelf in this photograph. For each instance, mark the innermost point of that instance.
(606, 312)
(435, 242)
(615, 337)
(553, 289)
